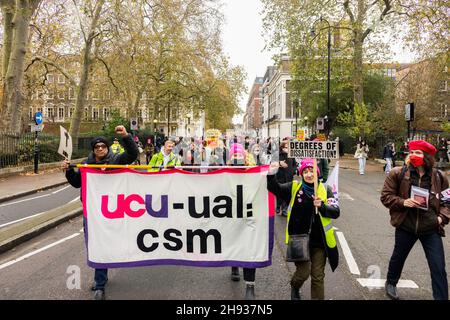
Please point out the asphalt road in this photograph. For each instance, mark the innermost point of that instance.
(25, 207)
(44, 268)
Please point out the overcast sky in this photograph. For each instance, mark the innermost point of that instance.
(243, 42)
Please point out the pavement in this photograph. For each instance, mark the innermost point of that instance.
(19, 185)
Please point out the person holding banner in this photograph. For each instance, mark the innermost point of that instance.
(102, 154)
(418, 213)
(164, 158)
(309, 213)
(239, 157)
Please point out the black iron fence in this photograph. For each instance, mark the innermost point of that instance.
(18, 149)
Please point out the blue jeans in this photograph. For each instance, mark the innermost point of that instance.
(100, 278)
(434, 252)
(362, 165)
(100, 275)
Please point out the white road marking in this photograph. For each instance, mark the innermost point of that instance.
(379, 283)
(353, 267)
(77, 198)
(35, 215)
(9, 263)
(345, 196)
(61, 189)
(37, 197)
(8, 204)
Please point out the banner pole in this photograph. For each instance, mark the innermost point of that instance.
(124, 166)
(315, 181)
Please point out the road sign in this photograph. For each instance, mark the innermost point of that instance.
(320, 124)
(65, 143)
(409, 112)
(36, 127)
(38, 118)
(133, 124)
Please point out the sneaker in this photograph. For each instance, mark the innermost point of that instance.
(250, 292)
(235, 274)
(295, 294)
(99, 295)
(391, 291)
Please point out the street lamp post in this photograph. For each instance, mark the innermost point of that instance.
(329, 71)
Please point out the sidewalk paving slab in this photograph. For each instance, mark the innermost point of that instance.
(16, 186)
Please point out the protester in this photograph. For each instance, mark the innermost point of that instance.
(149, 150)
(412, 223)
(442, 153)
(116, 147)
(362, 150)
(301, 218)
(238, 157)
(285, 174)
(102, 154)
(388, 155)
(164, 158)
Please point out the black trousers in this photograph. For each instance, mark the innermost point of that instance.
(434, 253)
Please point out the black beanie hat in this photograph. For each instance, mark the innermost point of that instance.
(97, 140)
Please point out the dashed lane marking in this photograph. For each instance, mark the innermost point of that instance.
(353, 267)
(9, 263)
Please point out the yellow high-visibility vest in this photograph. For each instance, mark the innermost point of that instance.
(326, 222)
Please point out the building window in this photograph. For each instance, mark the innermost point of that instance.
(61, 95)
(106, 113)
(289, 107)
(108, 95)
(86, 113)
(71, 112)
(71, 94)
(50, 78)
(61, 113)
(95, 95)
(443, 86)
(50, 113)
(444, 112)
(94, 114)
(61, 79)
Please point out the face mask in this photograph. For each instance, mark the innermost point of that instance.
(416, 161)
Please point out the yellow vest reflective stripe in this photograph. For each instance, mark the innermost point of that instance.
(326, 222)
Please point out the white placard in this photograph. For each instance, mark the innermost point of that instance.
(65, 143)
(313, 149)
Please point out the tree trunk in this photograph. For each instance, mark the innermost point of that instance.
(358, 78)
(8, 14)
(75, 123)
(14, 75)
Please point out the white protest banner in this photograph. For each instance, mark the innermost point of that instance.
(333, 182)
(65, 143)
(313, 149)
(173, 217)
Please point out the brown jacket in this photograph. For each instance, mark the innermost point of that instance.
(394, 195)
